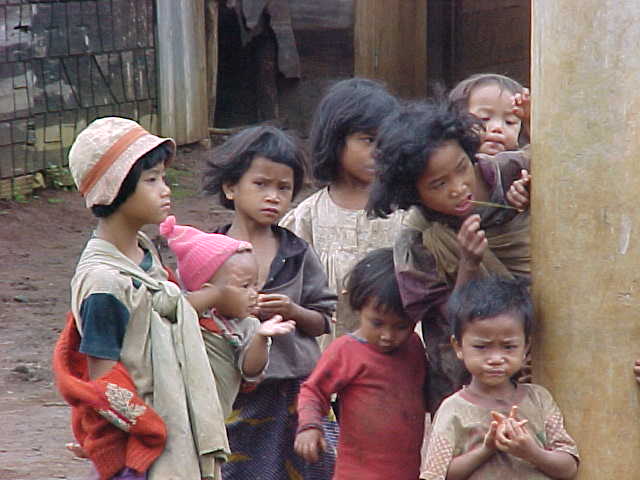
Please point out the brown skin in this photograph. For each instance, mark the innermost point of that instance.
(309, 444)
(264, 188)
(356, 173)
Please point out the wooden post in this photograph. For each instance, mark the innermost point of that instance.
(586, 224)
(390, 44)
(182, 71)
(211, 29)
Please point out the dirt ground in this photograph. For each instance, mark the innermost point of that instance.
(40, 242)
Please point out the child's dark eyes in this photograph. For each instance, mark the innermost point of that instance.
(286, 188)
(479, 347)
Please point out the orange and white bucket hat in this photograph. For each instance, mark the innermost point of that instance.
(104, 152)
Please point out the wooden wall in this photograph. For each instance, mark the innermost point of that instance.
(65, 63)
(391, 44)
(492, 37)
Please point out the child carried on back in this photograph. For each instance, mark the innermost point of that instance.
(237, 344)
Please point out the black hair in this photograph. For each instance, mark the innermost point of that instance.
(487, 297)
(160, 154)
(460, 94)
(349, 106)
(231, 160)
(373, 279)
(405, 142)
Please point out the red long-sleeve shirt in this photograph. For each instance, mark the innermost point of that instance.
(381, 407)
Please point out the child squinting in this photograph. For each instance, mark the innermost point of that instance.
(496, 427)
(378, 373)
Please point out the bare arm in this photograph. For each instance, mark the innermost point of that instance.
(462, 466)
(257, 352)
(203, 299)
(309, 321)
(473, 243)
(516, 440)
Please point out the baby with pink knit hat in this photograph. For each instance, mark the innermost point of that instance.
(225, 269)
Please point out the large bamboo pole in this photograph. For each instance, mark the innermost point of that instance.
(182, 70)
(586, 223)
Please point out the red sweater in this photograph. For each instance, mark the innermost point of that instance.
(381, 407)
(97, 406)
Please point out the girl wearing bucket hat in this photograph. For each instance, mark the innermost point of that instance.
(131, 360)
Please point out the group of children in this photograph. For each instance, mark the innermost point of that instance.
(301, 335)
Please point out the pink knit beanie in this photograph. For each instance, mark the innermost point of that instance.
(199, 254)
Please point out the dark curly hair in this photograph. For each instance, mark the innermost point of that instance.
(405, 142)
(230, 161)
(349, 106)
(488, 297)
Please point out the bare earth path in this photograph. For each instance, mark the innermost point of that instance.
(40, 242)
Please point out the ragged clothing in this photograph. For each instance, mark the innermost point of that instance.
(462, 422)
(340, 236)
(163, 352)
(382, 410)
(226, 342)
(426, 256)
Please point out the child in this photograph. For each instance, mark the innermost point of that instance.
(237, 344)
(333, 220)
(257, 173)
(474, 436)
(378, 372)
(503, 106)
(132, 345)
(427, 161)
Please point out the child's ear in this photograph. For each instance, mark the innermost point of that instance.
(457, 347)
(228, 190)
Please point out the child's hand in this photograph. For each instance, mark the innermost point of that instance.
(522, 106)
(276, 326)
(472, 240)
(309, 444)
(636, 370)
(515, 439)
(275, 304)
(518, 194)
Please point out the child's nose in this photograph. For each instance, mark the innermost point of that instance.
(495, 126)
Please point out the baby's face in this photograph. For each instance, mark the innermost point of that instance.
(237, 280)
(493, 106)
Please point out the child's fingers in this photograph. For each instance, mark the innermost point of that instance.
(513, 413)
(497, 416)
